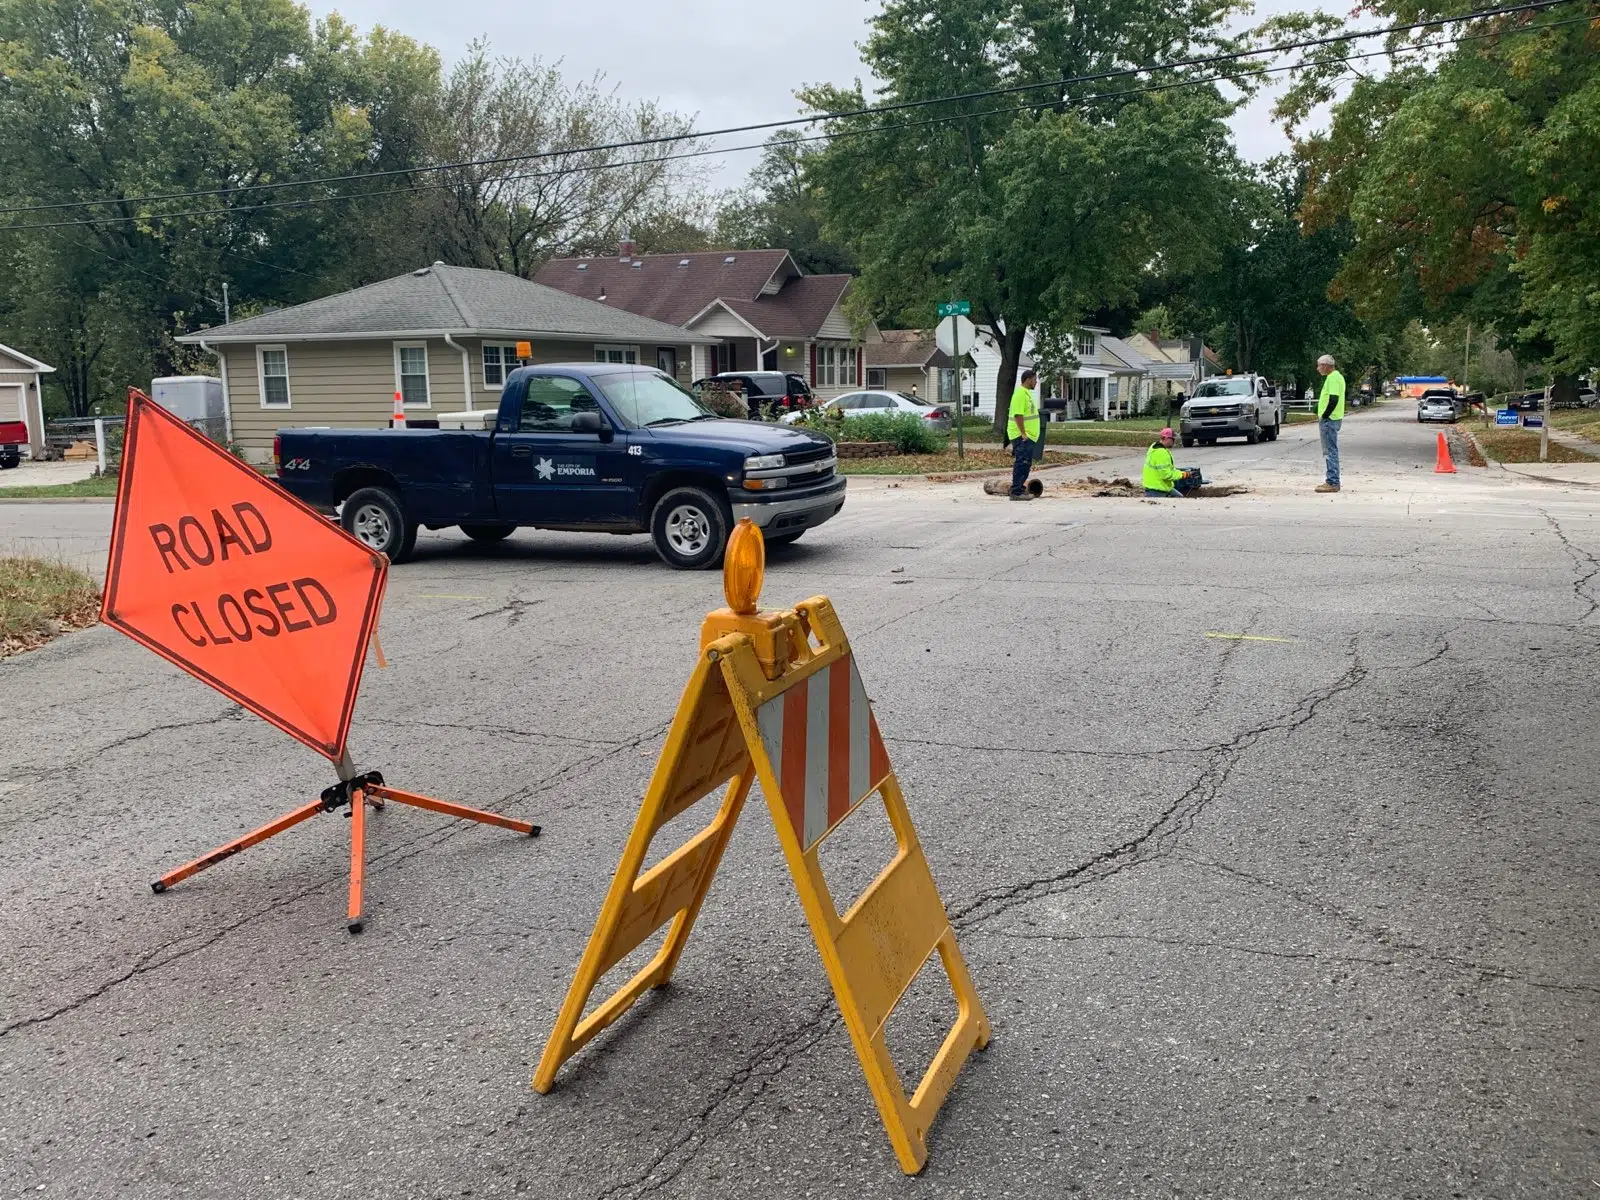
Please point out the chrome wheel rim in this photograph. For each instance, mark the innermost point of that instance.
(688, 531)
(372, 526)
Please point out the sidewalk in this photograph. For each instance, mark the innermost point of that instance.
(46, 474)
(1570, 474)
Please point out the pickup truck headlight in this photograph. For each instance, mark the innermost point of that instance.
(766, 485)
(763, 462)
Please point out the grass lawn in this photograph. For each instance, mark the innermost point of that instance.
(1522, 446)
(40, 599)
(96, 485)
(987, 459)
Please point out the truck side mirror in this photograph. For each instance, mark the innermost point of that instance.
(592, 422)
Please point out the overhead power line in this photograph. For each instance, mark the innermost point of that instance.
(696, 135)
(584, 168)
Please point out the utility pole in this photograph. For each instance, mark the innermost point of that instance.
(1465, 359)
(225, 317)
(1544, 426)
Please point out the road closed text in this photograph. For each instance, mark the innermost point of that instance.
(269, 610)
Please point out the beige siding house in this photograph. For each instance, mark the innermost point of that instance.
(20, 394)
(443, 337)
(909, 360)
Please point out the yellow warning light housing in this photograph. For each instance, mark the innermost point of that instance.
(776, 636)
(744, 567)
(524, 349)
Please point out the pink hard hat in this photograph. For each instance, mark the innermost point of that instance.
(1167, 432)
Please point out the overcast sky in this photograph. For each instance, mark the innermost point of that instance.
(728, 62)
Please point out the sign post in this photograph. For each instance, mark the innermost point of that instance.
(1544, 428)
(955, 337)
(259, 596)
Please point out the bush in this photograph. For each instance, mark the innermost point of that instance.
(909, 432)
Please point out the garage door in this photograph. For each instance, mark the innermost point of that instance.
(11, 402)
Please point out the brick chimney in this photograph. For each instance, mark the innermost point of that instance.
(625, 246)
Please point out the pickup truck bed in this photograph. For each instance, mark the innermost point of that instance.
(607, 447)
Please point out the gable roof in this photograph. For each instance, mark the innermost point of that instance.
(443, 299)
(764, 288)
(906, 348)
(29, 363)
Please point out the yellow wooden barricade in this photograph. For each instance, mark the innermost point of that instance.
(777, 697)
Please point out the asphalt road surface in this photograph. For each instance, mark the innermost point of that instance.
(1266, 825)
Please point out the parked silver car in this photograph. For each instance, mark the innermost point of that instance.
(1437, 406)
(860, 404)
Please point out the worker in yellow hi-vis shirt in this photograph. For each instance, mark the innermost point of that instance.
(1022, 427)
(1330, 415)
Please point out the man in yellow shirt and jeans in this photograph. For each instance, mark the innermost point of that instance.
(1022, 427)
(1330, 413)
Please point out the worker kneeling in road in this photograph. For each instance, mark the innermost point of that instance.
(1161, 477)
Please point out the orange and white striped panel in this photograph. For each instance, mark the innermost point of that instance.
(824, 746)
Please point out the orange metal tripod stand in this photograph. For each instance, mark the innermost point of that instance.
(356, 791)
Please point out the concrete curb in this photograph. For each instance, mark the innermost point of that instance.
(5, 499)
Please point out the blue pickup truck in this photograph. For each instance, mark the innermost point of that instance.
(608, 447)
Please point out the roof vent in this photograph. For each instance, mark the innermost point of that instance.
(583, 266)
(602, 293)
(438, 262)
(683, 262)
(727, 260)
(422, 270)
(637, 263)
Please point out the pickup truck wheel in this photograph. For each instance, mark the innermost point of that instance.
(690, 528)
(1250, 439)
(1187, 442)
(374, 516)
(488, 533)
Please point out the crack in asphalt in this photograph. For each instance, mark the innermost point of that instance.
(151, 960)
(1382, 934)
(1580, 557)
(514, 607)
(504, 730)
(1176, 819)
(232, 712)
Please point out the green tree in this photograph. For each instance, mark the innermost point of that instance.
(780, 209)
(111, 101)
(1038, 208)
(1473, 185)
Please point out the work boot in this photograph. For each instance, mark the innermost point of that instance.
(1327, 487)
(1021, 496)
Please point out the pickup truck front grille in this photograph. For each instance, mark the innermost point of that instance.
(814, 465)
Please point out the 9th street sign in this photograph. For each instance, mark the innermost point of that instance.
(955, 308)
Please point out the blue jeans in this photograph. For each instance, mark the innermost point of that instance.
(1330, 448)
(1021, 463)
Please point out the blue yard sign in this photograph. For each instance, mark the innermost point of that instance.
(1533, 422)
(1505, 416)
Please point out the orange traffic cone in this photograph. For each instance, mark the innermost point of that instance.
(1443, 465)
(399, 421)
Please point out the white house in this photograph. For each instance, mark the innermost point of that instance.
(1104, 383)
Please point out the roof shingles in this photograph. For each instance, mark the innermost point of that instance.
(446, 299)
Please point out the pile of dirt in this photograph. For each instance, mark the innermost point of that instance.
(1122, 486)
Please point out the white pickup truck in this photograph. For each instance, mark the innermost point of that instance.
(1244, 406)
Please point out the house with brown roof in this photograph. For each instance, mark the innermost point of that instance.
(763, 311)
(909, 360)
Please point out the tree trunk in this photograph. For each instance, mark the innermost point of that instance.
(1006, 381)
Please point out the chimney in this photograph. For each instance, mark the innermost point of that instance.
(625, 247)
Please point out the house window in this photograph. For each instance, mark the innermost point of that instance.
(272, 363)
(721, 358)
(836, 366)
(1085, 344)
(498, 362)
(877, 377)
(616, 354)
(411, 373)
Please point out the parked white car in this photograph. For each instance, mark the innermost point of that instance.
(860, 404)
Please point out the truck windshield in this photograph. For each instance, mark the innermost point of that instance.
(1224, 387)
(646, 397)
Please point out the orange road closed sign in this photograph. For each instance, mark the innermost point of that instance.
(249, 590)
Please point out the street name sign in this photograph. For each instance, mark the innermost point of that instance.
(955, 308)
